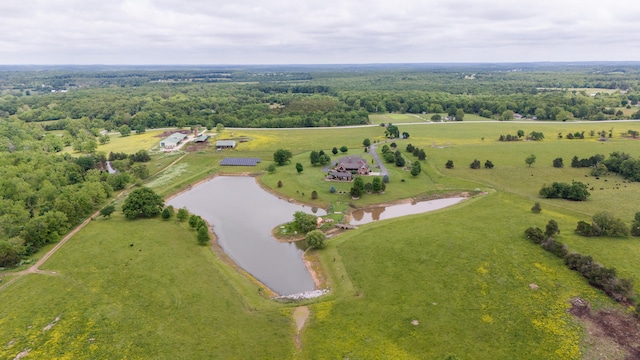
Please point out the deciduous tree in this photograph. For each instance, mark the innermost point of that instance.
(142, 202)
(530, 160)
(282, 156)
(316, 239)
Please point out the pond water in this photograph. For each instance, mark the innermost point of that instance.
(365, 216)
(242, 215)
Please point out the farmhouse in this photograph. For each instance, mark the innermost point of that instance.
(346, 167)
(352, 164)
(225, 144)
(172, 140)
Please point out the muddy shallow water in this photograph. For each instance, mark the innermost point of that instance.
(375, 213)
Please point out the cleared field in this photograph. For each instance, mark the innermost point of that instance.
(140, 289)
(377, 119)
(396, 118)
(132, 143)
(453, 282)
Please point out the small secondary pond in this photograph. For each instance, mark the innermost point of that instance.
(242, 215)
(365, 216)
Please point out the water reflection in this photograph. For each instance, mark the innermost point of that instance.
(242, 215)
(365, 216)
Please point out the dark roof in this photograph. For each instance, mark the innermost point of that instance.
(240, 161)
(352, 162)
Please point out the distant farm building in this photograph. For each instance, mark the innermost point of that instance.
(240, 161)
(225, 144)
(202, 138)
(172, 140)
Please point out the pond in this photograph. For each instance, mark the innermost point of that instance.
(242, 215)
(375, 213)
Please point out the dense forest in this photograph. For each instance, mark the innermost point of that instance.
(309, 97)
(43, 194)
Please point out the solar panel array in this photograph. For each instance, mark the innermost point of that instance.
(240, 161)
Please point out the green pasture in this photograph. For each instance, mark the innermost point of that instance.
(140, 289)
(401, 184)
(132, 143)
(464, 275)
(397, 118)
(386, 118)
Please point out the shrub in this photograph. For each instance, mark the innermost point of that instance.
(316, 239)
(488, 164)
(314, 194)
(536, 209)
(166, 213)
(475, 164)
(196, 221)
(551, 228)
(534, 234)
(385, 179)
(203, 235)
(271, 168)
(183, 214)
(305, 222)
(332, 190)
(558, 163)
(609, 226)
(376, 184)
(355, 192)
(449, 164)
(410, 148)
(279, 183)
(555, 247)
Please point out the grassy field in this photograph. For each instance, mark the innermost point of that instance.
(140, 289)
(397, 118)
(462, 273)
(415, 118)
(132, 143)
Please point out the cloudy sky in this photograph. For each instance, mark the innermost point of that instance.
(316, 32)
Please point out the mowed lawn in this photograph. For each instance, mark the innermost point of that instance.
(453, 282)
(140, 290)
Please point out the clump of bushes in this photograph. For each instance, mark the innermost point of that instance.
(575, 191)
(598, 276)
(603, 224)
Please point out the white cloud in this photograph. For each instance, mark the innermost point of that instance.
(330, 31)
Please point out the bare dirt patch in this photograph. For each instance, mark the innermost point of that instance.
(300, 316)
(195, 147)
(610, 334)
(169, 132)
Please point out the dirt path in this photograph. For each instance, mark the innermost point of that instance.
(34, 269)
(300, 316)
